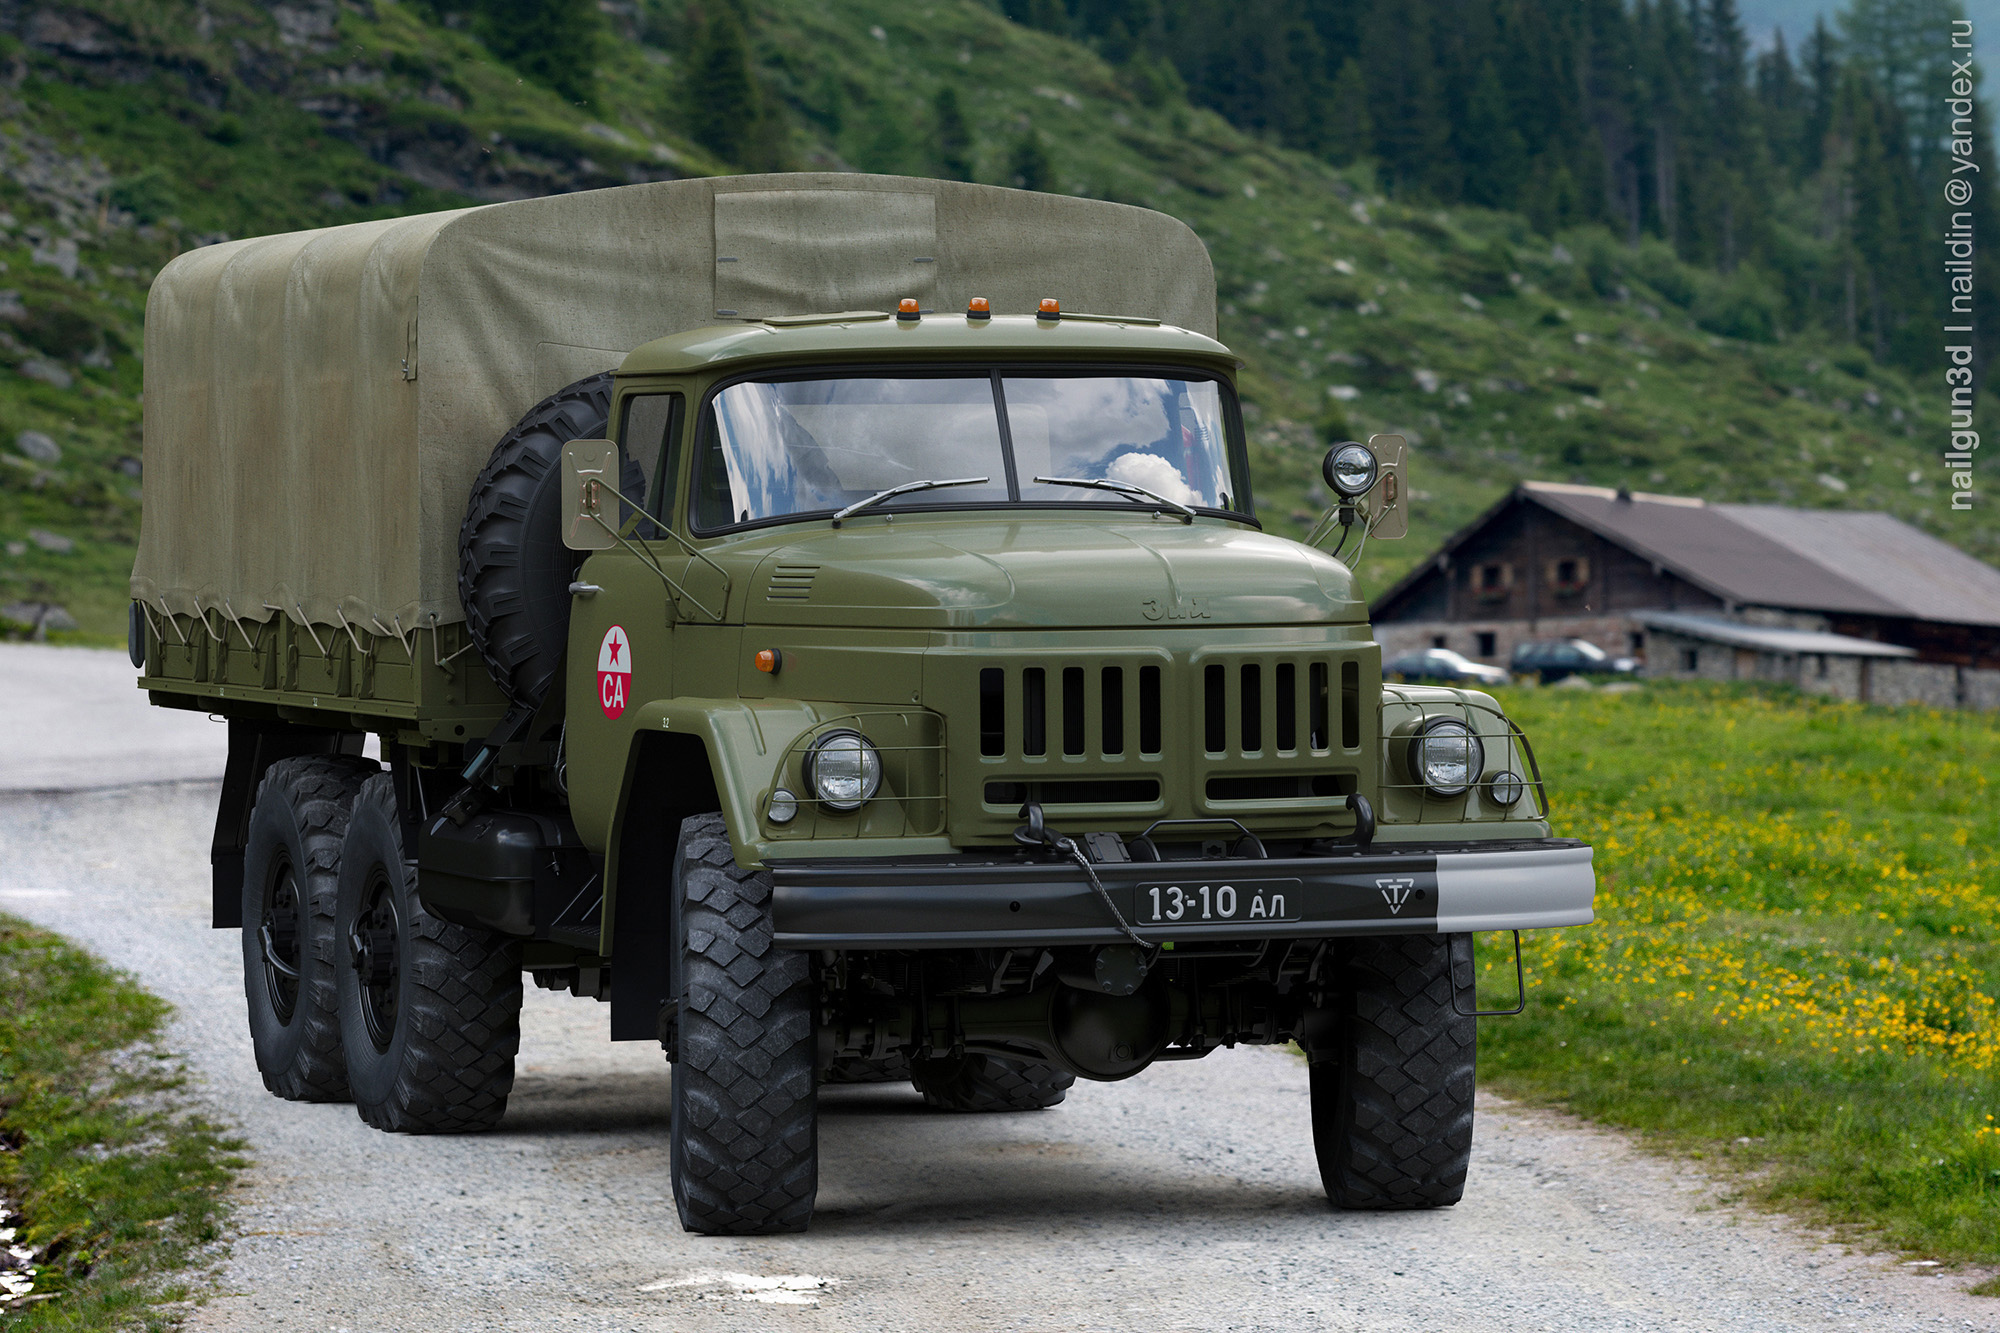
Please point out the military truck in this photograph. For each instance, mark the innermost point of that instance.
(827, 618)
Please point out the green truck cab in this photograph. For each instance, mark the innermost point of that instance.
(906, 693)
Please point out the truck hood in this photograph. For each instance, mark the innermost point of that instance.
(1047, 574)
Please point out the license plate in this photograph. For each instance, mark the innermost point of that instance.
(1193, 902)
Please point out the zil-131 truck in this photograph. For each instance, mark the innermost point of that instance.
(825, 617)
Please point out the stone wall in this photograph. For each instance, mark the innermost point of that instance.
(1879, 680)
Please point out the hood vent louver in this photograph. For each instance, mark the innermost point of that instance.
(791, 583)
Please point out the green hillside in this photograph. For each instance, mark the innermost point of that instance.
(131, 131)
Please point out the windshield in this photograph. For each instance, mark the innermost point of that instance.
(779, 448)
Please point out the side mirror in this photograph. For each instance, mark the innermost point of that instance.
(1387, 504)
(590, 495)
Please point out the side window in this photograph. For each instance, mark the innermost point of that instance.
(651, 422)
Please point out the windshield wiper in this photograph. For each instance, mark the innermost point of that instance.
(904, 489)
(1121, 487)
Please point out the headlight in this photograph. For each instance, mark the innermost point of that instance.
(844, 770)
(1505, 787)
(1350, 469)
(1446, 757)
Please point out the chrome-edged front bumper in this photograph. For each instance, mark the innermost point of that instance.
(1005, 900)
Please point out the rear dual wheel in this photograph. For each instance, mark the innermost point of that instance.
(430, 1012)
(291, 866)
(355, 991)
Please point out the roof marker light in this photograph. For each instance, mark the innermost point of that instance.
(1050, 309)
(906, 310)
(979, 308)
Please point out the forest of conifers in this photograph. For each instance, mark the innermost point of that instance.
(1814, 167)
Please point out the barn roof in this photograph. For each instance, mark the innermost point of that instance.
(1763, 555)
(1769, 638)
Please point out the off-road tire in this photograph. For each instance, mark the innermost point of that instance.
(990, 1083)
(296, 827)
(513, 570)
(858, 1069)
(1392, 1091)
(746, 1102)
(447, 1063)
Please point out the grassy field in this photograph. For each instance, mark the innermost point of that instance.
(1794, 968)
(122, 1189)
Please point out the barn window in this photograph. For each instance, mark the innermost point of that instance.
(1491, 582)
(1690, 659)
(1568, 575)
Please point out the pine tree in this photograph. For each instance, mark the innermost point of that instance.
(1820, 62)
(1902, 46)
(1781, 104)
(1726, 220)
(951, 135)
(1029, 166)
(1350, 125)
(1495, 155)
(1412, 135)
(723, 106)
(1887, 237)
(553, 42)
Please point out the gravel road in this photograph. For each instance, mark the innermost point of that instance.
(1185, 1198)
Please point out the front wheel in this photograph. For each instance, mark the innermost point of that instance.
(745, 1146)
(430, 1012)
(1392, 1079)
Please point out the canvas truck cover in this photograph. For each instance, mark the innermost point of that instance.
(318, 403)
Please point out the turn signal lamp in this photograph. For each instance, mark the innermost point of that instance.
(979, 308)
(906, 310)
(1050, 309)
(769, 660)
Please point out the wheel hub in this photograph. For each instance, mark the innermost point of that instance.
(374, 948)
(282, 939)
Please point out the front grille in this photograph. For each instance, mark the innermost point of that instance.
(1091, 713)
(1240, 712)
(1124, 736)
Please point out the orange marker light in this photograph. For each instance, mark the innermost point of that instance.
(769, 660)
(1050, 309)
(906, 309)
(979, 308)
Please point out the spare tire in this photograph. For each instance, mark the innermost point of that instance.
(513, 570)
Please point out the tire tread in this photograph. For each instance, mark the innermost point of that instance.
(746, 1158)
(1392, 1117)
(462, 1005)
(992, 1083)
(320, 790)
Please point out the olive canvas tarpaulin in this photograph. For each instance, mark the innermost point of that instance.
(317, 404)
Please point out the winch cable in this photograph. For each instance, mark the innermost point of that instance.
(1036, 833)
(1069, 845)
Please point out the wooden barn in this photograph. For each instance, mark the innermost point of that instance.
(1676, 582)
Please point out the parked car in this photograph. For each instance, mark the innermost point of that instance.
(1446, 667)
(1555, 659)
